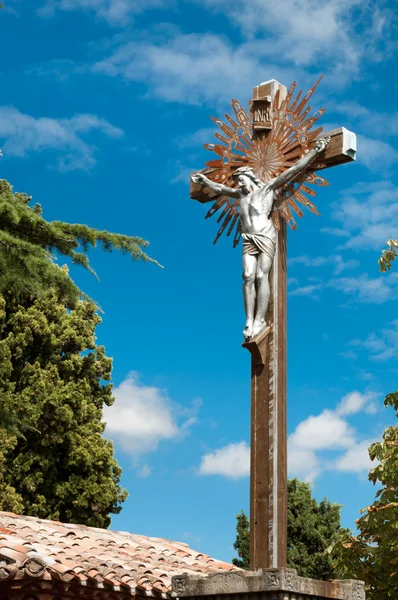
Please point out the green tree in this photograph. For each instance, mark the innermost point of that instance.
(312, 528)
(29, 246)
(388, 256)
(242, 542)
(53, 380)
(372, 555)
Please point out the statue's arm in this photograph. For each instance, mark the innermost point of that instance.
(217, 187)
(301, 165)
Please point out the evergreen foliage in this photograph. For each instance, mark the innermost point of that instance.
(55, 464)
(372, 555)
(242, 542)
(312, 528)
(29, 245)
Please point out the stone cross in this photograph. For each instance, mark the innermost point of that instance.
(268, 462)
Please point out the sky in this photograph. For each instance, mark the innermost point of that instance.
(104, 110)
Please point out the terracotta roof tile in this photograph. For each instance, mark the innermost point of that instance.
(82, 555)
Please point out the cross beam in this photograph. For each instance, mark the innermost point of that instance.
(268, 448)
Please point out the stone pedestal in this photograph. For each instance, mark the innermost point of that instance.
(264, 584)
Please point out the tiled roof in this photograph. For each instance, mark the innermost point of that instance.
(101, 558)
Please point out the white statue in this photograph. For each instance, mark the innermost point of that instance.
(258, 232)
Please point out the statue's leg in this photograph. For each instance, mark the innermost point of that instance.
(264, 263)
(249, 291)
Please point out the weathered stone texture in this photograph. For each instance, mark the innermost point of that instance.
(265, 584)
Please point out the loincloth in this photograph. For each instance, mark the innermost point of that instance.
(258, 243)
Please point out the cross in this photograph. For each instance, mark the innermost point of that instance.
(271, 140)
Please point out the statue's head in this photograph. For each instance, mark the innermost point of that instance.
(245, 177)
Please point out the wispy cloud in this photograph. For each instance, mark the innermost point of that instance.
(24, 135)
(307, 32)
(197, 138)
(312, 290)
(379, 123)
(116, 12)
(367, 214)
(59, 69)
(381, 345)
(144, 416)
(340, 264)
(376, 155)
(144, 471)
(191, 68)
(364, 289)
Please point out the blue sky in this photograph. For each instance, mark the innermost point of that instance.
(104, 108)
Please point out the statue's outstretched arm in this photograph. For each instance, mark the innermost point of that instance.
(301, 165)
(217, 187)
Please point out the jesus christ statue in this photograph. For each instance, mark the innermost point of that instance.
(258, 232)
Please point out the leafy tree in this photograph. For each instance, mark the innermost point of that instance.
(388, 256)
(29, 245)
(372, 555)
(53, 380)
(311, 529)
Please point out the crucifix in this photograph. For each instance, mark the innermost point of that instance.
(268, 162)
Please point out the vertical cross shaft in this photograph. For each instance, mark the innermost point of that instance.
(268, 461)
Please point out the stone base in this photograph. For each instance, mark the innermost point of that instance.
(264, 584)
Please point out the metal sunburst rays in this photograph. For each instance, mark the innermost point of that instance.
(290, 138)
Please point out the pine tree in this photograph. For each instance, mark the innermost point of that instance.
(29, 245)
(242, 542)
(372, 555)
(312, 528)
(53, 381)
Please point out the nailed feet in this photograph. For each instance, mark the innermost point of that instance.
(247, 332)
(258, 327)
(252, 330)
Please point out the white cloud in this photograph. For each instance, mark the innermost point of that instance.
(376, 155)
(59, 69)
(368, 214)
(379, 123)
(355, 460)
(340, 264)
(311, 290)
(116, 12)
(306, 32)
(24, 134)
(192, 68)
(143, 416)
(144, 471)
(354, 402)
(366, 290)
(359, 289)
(325, 431)
(303, 463)
(317, 436)
(280, 40)
(309, 446)
(231, 461)
(198, 138)
(383, 345)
